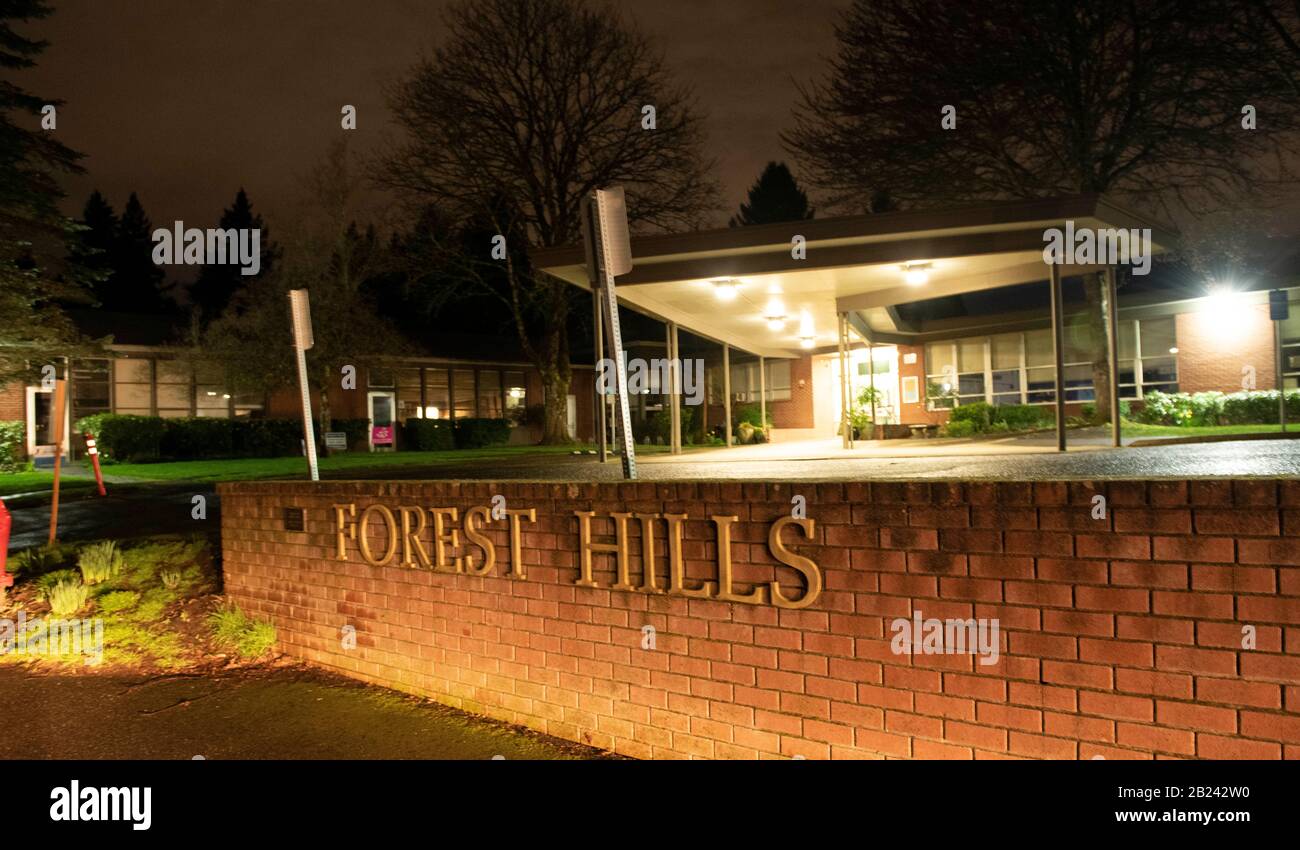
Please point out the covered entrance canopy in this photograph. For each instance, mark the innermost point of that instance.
(783, 290)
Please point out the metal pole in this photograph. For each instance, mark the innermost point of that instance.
(600, 357)
(60, 400)
(846, 428)
(871, 379)
(762, 392)
(1058, 354)
(1281, 381)
(308, 430)
(1112, 355)
(675, 391)
(726, 390)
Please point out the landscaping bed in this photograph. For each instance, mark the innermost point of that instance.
(148, 606)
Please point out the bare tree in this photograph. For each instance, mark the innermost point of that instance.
(527, 107)
(1142, 99)
(326, 253)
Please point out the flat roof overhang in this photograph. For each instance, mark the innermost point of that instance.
(853, 264)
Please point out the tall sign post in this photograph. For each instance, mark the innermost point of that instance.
(1279, 312)
(609, 253)
(60, 406)
(300, 307)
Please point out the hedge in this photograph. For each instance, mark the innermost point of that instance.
(12, 435)
(1257, 407)
(982, 418)
(477, 433)
(356, 431)
(428, 435)
(127, 438)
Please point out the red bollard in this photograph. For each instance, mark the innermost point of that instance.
(6, 522)
(94, 460)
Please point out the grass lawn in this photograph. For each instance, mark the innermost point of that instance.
(244, 469)
(12, 483)
(1137, 429)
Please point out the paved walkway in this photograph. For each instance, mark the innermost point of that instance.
(286, 713)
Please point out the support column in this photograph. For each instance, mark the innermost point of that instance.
(1058, 353)
(846, 428)
(600, 396)
(762, 392)
(726, 391)
(871, 378)
(1112, 356)
(675, 391)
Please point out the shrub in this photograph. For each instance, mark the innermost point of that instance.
(477, 433)
(1022, 417)
(233, 628)
(266, 437)
(126, 437)
(99, 562)
(12, 438)
(68, 597)
(41, 559)
(47, 582)
(356, 431)
(979, 415)
(960, 428)
(171, 579)
(428, 435)
(1256, 407)
(198, 437)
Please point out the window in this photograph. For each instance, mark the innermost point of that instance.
(210, 395)
(133, 386)
(516, 387)
(90, 388)
(1291, 348)
(462, 385)
(1018, 368)
(409, 395)
(437, 394)
(489, 394)
(778, 380)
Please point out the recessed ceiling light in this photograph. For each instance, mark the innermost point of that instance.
(916, 274)
(726, 290)
(775, 314)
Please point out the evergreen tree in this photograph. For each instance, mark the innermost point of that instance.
(774, 197)
(217, 285)
(138, 281)
(95, 242)
(34, 236)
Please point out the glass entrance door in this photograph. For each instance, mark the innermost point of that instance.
(383, 407)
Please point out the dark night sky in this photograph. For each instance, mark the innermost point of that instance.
(185, 100)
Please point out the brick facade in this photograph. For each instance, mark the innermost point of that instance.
(1119, 637)
(1212, 353)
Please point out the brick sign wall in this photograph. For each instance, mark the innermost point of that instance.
(1162, 620)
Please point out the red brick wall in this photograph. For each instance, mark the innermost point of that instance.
(1120, 637)
(798, 411)
(13, 402)
(1212, 351)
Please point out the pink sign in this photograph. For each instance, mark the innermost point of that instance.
(382, 435)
